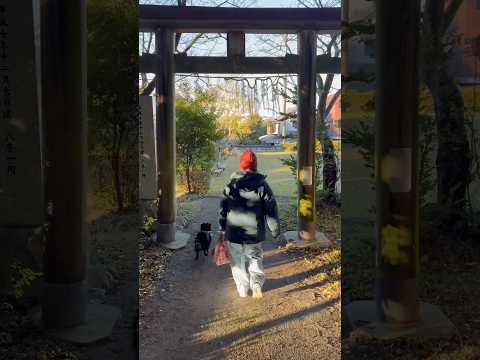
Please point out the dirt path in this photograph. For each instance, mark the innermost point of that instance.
(117, 248)
(197, 315)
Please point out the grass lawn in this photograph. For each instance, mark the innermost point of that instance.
(283, 185)
(279, 177)
(217, 183)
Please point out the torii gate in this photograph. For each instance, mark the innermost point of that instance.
(165, 21)
(43, 159)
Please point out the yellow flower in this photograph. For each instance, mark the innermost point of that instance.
(393, 238)
(305, 208)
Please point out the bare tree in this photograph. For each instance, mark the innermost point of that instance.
(184, 43)
(324, 108)
(328, 44)
(453, 152)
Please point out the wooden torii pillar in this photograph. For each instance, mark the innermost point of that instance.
(396, 169)
(307, 235)
(307, 51)
(65, 110)
(166, 232)
(65, 307)
(397, 310)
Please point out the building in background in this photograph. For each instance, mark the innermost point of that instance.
(334, 119)
(287, 128)
(280, 127)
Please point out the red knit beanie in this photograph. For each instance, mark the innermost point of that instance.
(248, 161)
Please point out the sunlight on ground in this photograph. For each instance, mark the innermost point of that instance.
(180, 190)
(302, 289)
(279, 177)
(329, 280)
(465, 352)
(282, 169)
(277, 153)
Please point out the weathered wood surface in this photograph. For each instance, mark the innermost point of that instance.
(250, 20)
(240, 65)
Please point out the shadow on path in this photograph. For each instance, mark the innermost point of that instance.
(197, 314)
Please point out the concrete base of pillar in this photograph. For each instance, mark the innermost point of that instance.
(181, 240)
(98, 325)
(362, 316)
(168, 237)
(293, 238)
(64, 305)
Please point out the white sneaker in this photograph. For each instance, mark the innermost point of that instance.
(243, 293)
(257, 290)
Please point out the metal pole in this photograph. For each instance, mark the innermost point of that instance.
(64, 102)
(165, 133)
(307, 49)
(397, 32)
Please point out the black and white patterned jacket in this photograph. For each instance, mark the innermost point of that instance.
(248, 204)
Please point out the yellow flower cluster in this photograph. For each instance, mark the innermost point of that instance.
(305, 208)
(392, 239)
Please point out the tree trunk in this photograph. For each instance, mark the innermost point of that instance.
(329, 163)
(329, 166)
(117, 179)
(453, 155)
(187, 173)
(329, 171)
(453, 151)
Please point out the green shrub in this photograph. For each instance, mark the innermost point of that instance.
(200, 181)
(22, 279)
(148, 222)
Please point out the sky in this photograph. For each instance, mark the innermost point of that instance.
(255, 43)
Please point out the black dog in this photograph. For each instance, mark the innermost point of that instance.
(203, 240)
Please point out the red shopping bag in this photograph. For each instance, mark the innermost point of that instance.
(221, 255)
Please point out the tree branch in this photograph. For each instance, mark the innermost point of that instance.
(149, 88)
(332, 101)
(192, 42)
(450, 13)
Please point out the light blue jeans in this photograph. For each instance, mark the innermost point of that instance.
(246, 262)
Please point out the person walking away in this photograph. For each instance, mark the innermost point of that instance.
(248, 205)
